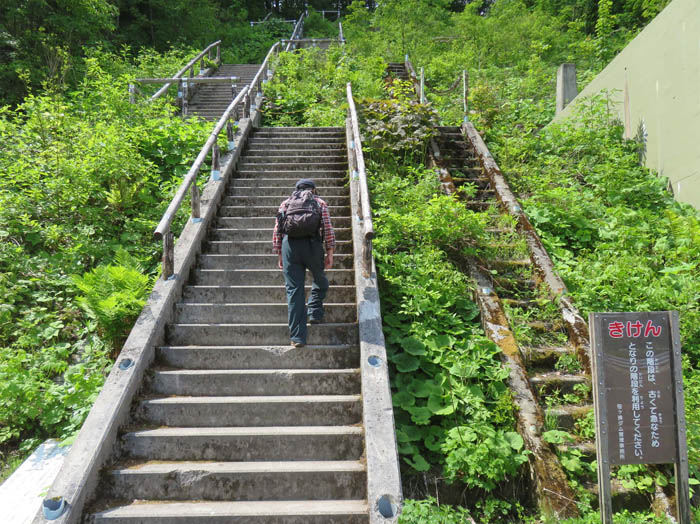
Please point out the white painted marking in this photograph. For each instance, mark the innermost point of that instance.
(22, 493)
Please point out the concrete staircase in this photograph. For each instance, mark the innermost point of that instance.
(397, 70)
(234, 425)
(211, 100)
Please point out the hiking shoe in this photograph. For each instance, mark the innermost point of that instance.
(296, 344)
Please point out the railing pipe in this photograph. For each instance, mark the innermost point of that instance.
(256, 83)
(296, 34)
(367, 227)
(163, 229)
(190, 65)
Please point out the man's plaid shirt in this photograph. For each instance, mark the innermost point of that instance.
(327, 233)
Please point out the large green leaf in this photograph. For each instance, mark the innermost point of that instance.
(413, 346)
(405, 363)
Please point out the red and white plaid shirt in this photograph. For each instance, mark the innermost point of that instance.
(327, 233)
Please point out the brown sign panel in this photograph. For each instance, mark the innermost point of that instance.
(637, 386)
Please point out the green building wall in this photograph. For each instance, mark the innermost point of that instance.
(656, 80)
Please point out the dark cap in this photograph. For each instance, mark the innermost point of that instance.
(305, 182)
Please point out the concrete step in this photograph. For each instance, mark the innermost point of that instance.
(249, 481)
(339, 175)
(231, 234)
(547, 383)
(262, 277)
(290, 144)
(306, 410)
(567, 415)
(268, 222)
(266, 512)
(282, 192)
(334, 150)
(189, 313)
(304, 166)
(257, 294)
(259, 261)
(250, 247)
(298, 131)
(259, 357)
(271, 211)
(274, 200)
(257, 334)
(246, 443)
(286, 182)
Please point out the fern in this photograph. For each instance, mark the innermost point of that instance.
(113, 295)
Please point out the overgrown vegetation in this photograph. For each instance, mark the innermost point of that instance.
(596, 209)
(84, 178)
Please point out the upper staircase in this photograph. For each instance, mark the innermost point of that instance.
(235, 425)
(211, 100)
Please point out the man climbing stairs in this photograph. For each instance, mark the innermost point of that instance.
(235, 425)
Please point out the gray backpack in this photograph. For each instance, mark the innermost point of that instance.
(301, 216)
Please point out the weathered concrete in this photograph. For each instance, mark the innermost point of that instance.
(257, 334)
(96, 440)
(341, 233)
(260, 357)
(252, 382)
(566, 86)
(269, 410)
(659, 73)
(21, 494)
(267, 512)
(251, 481)
(258, 261)
(383, 472)
(263, 277)
(257, 294)
(247, 443)
(253, 247)
(251, 313)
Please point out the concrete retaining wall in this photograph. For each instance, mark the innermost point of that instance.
(659, 74)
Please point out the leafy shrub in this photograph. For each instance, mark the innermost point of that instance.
(114, 295)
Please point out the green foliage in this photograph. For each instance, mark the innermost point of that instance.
(482, 456)
(428, 511)
(308, 88)
(84, 175)
(113, 295)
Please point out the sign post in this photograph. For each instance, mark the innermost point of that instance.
(638, 398)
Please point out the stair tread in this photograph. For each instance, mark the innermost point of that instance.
(279, 399)
(196, 508)
(243, 431)
(310, 466)
(286, 371)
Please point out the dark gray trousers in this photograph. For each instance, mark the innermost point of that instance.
(298, 255)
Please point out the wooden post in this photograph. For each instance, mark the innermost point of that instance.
(218, 54)
(681, 465)
(215, 163)
(196, 215)
(246, 105)
(132, 94)
(605, 493)
(168, 255)
(185, 97)
(201, 66)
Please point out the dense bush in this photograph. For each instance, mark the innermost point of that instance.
(84, 178)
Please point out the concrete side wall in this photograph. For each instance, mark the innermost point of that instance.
(659, 72)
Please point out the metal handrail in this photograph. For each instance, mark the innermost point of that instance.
(163, 230)
(358, 161)
(190, 66)
(298, 28)
(256, 83)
